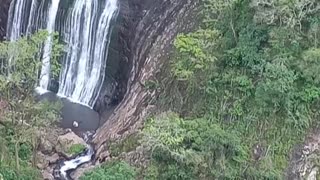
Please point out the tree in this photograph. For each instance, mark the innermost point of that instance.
(23, 117)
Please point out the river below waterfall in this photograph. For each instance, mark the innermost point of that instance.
(87, 119)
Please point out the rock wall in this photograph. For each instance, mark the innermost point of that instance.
(4, 8)
(148, 48)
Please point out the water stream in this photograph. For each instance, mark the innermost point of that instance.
(72, 164)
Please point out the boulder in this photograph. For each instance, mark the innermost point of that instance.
(47, 175)
(66, 141)
(49, 139)
(42, 161)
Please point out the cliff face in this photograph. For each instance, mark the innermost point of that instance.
(148, 48)
(4, 8)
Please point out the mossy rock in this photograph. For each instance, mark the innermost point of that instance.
(76, 149)
(70, 144)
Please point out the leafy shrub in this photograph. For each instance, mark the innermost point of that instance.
(252, 80)
(186, 149)
(115, 170)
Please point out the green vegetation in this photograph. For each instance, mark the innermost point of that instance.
(126, 145)
(245, 89)
(115, 170)
(76, 149)
(21, 117)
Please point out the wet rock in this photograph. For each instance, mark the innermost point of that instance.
(303, 163)
(42, 161)
(108, 96)
(46, 145)
(313, 174)
(54, 85)
(47, 175)
(66, 141)
(53, 158)
(81, 170)
(49, 139)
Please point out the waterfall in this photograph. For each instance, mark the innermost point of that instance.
(15, 27)
(45, 68)
(86, 32)
(17, 14)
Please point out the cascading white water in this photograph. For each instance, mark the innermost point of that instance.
(76, 162)
(33, 9)
(87, 33)
(62, 171)
(15, 27)
(17, 13)
(45, 68)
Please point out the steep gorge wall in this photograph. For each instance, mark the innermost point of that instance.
(149, 45)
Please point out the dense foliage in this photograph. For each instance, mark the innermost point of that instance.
(115, 170)
(21, 117)
(245, 89)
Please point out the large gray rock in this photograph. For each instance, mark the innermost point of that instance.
(66, 141)
(49, 139)
(47, 175)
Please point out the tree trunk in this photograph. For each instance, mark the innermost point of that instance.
(16, 147)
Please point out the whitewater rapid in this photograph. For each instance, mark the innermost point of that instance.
(82, 158)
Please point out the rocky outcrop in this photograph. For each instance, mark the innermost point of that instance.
(149, 49)
(55, 146)
(305, 160)
(67, 141)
